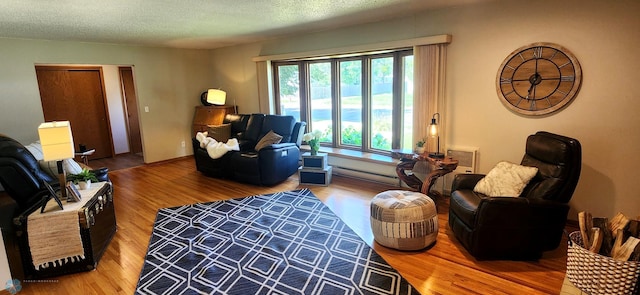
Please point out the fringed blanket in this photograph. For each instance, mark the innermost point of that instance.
(214, 148)
(54, 236)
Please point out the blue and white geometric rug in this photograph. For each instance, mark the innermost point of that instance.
(282, 243)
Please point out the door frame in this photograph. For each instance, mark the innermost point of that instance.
(127, 111)
(105, 103)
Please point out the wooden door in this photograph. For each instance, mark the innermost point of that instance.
(131, 109)
(76, 94)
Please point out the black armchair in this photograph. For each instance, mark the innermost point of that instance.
(23, 182)
(519, 228)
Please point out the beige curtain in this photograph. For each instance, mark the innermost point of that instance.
(266, 104)
(429, 63)
(428, 92)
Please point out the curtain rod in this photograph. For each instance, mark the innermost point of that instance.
(438, 39)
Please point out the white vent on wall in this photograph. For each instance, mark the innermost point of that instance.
(466, 157)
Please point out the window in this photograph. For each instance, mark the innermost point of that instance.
(288, 88)
(363, 102)
(351, 103)
(320, 98)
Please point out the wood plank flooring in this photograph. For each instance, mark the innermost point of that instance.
(117, 162)
(446, 268)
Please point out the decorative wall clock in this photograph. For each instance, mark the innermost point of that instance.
(538, 79)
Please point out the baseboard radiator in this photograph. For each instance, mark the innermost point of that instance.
(365, 175)
(466, 157)
(353, 167)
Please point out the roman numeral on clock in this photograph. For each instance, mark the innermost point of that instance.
(537, 52)
(567, 78)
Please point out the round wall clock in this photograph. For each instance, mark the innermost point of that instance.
(538, 79)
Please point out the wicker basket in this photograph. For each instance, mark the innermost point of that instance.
(597, 274)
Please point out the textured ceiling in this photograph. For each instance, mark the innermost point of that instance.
(193, 23)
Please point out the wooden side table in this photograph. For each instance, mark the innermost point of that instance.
(210, 115)
(408, 160)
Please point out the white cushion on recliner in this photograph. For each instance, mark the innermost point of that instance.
(71, 166)
(35, 149)
(505, 180)
(51, 167)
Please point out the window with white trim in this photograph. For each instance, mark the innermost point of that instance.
(362, 102)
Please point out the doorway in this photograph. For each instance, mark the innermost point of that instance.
(131, 110)
(76, 94)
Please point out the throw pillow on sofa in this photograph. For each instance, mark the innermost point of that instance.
(268, 139)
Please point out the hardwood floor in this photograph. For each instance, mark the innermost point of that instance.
(446, 268)
(117, 162)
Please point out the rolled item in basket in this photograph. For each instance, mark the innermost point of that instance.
(607, 236)
(596, 243)
(622, 252)
(585, 221)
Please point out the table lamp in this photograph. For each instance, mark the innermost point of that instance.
(57, 145)
(433, 132)
(216, 96)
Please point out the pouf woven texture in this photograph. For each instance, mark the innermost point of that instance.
(404, 220)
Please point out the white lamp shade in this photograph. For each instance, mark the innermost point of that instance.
(56, 140)
(216, 96)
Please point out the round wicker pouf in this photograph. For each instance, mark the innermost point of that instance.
(404, 220)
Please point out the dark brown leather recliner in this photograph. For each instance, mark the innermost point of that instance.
(519, 228)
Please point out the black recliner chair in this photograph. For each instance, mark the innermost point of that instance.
(520, 228)
(23, 182)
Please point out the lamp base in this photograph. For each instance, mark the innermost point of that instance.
(62, 179)
(436, 155)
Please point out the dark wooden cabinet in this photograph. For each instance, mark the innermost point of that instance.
(210, 115)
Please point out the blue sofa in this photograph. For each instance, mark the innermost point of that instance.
(268, 166)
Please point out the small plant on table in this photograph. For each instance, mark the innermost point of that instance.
(83, 178)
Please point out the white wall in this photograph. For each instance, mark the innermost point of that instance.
(235, 73)
(603, 35)
(169, 82)
(115, 104)
(5, 272)
(603, 118)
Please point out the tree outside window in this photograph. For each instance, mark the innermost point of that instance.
(351, 100)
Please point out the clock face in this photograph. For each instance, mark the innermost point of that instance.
(538, 79)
